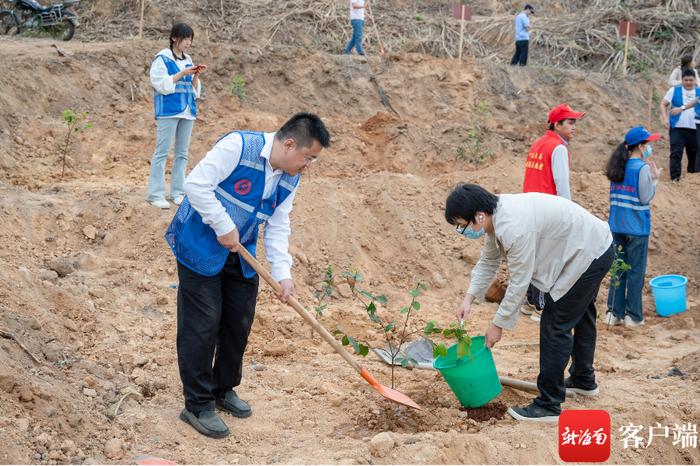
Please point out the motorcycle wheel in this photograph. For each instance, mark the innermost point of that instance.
(64, 31)
(8, 23)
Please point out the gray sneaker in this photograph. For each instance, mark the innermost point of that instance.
(206, 423)
(233, 405)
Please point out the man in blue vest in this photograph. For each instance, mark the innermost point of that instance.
(681, 121)
(248, 179)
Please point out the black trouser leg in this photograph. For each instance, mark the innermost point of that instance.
(203, 305)
(238, 312)
(516, 56)
(574, 311)
(677, 142)
(691, 149)
(524, 52)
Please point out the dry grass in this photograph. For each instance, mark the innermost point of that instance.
(582, 35)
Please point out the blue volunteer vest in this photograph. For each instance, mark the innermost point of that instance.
(627, 214)
(677, 101)
(194, 243)
(175, 103)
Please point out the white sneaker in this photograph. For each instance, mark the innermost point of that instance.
(177, 200)
(630, 322)
(161, 204)
(536, 315)
(610, 319)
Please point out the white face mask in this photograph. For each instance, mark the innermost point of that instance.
(647, 152)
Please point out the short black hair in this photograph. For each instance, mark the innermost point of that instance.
(529, 7)
(688, 72)
(305, 128)
(466, 200)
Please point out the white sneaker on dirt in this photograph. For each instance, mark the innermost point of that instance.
(161, 204)
(536, 315)
(610, 319)
(631, 323)
(177, 200)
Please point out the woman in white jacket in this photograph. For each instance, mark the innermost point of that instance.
(176, 88)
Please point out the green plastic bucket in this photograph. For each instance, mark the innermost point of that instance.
(473, 378)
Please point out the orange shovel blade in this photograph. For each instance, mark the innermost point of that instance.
(388, 393)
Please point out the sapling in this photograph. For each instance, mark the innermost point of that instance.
(395, 332)
(618, 267)
(324, 293)
(237, 88)
(75, 121)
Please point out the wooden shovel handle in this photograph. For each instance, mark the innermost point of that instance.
(292, 301)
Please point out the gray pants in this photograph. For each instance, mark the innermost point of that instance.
(167, 129)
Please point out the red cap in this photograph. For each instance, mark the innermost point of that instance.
(563, 112)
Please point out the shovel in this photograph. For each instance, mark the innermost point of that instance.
(388, 393)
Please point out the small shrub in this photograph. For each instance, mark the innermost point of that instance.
(237, 88)
(76, 122)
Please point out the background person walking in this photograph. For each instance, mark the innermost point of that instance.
(522, 35)
(357, 20)
(681, 121)
(176, 88)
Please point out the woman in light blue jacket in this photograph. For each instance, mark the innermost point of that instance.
(176, 88)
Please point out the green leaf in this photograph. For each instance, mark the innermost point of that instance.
(423, 286)
(414, 293)
(441, 350)
(367, 294)
(429, 327)
(416, 305)
(403, 310)
(337, 332)
(364, 350)
(389, 327)
(382, 299)
(371, 309)
(345, 341)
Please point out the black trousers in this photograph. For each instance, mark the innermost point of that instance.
(574, 311)
(214, 318)
(521, 50)
(682, 138)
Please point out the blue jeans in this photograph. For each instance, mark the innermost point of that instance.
(356, 40)
(167, 129)
(628, 296)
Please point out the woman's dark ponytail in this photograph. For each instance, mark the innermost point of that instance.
(180, 31)
(615, 169)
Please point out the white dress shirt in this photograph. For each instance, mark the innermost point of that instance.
(560, 170)
(163, 83)
(218, 165)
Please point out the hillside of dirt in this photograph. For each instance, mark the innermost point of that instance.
(88, 285)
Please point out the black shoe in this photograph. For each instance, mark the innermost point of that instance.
(585, 391)
(233, 405)
(206, 423)
(532, 412)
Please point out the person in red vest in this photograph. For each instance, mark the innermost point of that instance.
(547, 171)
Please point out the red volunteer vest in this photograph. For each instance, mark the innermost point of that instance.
(538, 169)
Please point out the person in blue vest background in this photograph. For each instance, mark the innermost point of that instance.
(246, 180)
(681, 116)
(176, 88)
(633, 183)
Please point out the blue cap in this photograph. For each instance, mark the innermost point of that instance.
(638, 135)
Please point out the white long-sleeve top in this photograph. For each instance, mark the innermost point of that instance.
(560, 170)
(546, 240)
(163, 82)
(218, 165)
